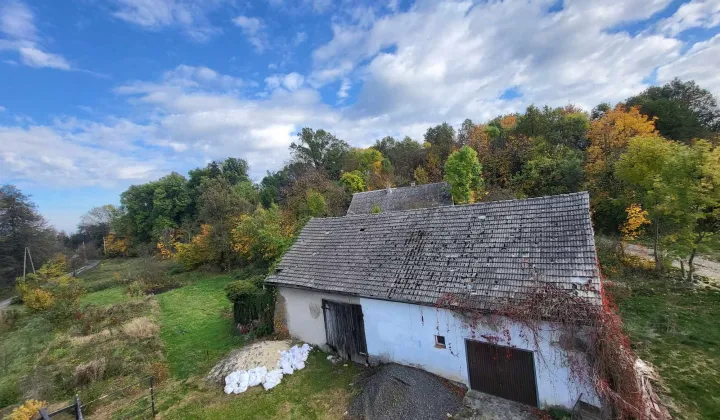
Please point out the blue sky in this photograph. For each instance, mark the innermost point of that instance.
(98, 95)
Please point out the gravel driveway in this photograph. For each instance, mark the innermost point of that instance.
(703, 267)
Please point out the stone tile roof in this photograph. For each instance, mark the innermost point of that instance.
(490, 252)
(404, 198)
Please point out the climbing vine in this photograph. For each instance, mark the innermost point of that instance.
(598, 352)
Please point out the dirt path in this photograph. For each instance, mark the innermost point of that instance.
(5, 303)
(703, 267)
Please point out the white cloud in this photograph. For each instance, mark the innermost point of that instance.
(700, 63)
(293, 81)
(448, 61)
(254, 30)
(35, 58)
(50, 156)
(344, 88)
(190, 15)
(17, 23)
(697, 13)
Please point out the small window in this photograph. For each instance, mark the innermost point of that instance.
(440, 341)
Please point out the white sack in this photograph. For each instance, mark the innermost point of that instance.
(257, 376)
(272, 379)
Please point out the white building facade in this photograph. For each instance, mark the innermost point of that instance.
(408, 334)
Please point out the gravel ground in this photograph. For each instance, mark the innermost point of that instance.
(479, 406)
(263, 353)
(397, 392)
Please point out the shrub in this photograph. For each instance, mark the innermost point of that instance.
(159, 371)
(54, 268)
(251, 304)
(38, 299)
(27, 411)
(90, 372)
(8, 318)
(135, 289)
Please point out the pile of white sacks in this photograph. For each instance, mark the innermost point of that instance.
(294, 359)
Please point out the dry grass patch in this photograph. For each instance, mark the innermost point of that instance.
(141, 328)
(90, 372)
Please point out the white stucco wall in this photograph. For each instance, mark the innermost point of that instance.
(405, 333)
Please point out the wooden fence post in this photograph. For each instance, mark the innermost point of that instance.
(152, 395)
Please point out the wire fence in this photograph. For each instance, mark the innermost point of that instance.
(143, 409)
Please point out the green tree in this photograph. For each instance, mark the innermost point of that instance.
(263, 236)
(441, 140)
(420, 176)
(156, 206)
(464, 174)
(683, 110)
(220, 204)
(353, 182)
(679, 186)
(317, 207)
(551, 170)
(405, 156)
(321, 150)
(22, 226)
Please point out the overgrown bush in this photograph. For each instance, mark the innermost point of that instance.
(27, 411)
(252, 305)
(38, 299)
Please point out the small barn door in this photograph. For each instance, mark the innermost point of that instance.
(502, 371)
(345, 330)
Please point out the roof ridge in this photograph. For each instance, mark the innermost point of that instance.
(483, 203)
(399, 188)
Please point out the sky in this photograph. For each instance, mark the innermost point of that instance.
(97, 95)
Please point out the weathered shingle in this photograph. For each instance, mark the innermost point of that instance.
(494, 252)
(404, 198)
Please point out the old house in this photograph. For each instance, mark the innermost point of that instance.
(371, 287)
(402, 198)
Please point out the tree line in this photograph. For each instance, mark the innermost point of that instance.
(651, 164)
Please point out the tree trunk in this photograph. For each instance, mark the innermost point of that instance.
(656, 253)
(691, 270)
(682, 268)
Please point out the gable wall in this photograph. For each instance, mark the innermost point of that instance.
(405, 333)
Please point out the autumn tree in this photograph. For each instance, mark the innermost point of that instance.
(440, 141)
(464, 174)
(220, 204)
(97, 223)
(263, 236)
(609, 137)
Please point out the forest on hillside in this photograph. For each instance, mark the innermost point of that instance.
(651, 164)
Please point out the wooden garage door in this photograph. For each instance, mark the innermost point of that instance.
(502, 371)
(345, 330)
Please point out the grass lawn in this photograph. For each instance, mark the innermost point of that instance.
(675, 327)
(320, 391)
(197, 325)
(105, 297)
(677, 330)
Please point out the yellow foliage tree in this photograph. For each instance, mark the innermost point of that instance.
(196, 253)
(636, 219)
(609, 138)
(54, 268)
(116, 247)
(27, 411)
(38, 299)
